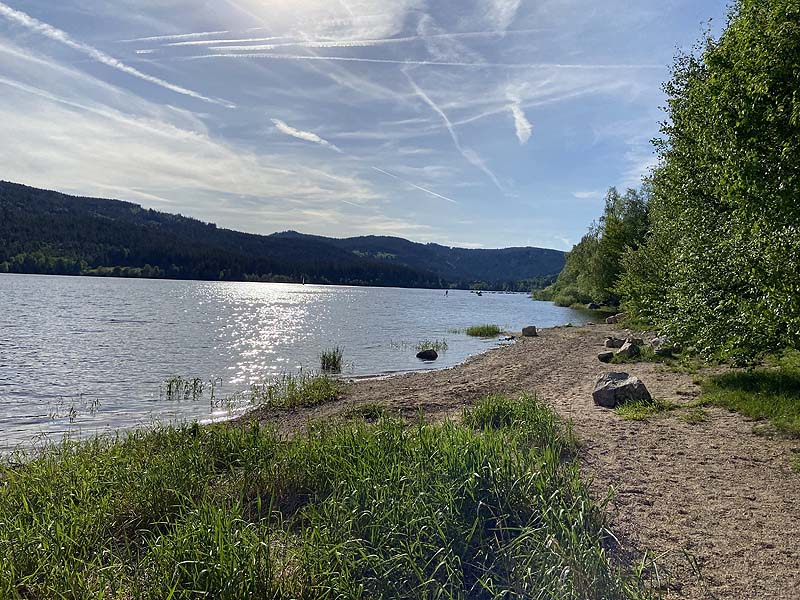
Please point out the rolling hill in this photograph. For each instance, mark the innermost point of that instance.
(48, 232)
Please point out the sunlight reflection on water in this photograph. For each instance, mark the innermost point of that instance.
(87, 355)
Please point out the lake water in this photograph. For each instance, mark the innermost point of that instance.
(83, 355)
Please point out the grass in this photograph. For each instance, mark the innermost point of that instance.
(641, 410)
(483, 330)
(289, 391)
(771, 394)
(490, 508)
(331, 360)
(437, 345)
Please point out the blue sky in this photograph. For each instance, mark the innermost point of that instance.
(471, 123)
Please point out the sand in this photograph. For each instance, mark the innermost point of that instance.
(714, 503)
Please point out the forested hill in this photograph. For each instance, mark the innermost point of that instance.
(48, 232)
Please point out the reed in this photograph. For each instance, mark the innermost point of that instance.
(331, 360)
(482, 331)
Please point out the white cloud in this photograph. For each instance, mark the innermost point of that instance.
(58, 35)
(521, 123)
(307, 136)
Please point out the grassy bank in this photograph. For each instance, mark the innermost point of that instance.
(770, 393)
(489, 508)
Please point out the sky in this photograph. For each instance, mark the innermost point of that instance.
(473, 123)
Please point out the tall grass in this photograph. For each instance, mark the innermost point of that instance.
(491, 508)
(483, 330)
(290, 391)
(331, 360)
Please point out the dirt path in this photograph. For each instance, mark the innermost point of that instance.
(717, 504)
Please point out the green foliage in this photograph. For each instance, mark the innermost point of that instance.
(768, 393)
(594, 265)
(483, 330)
(491, 509)
(331, 360)
(720, 265)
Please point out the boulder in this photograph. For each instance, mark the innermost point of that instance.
(530, 331)
(605, 357)
(615, 319)
(635, 341)
(428, 354)
(613, 389)
(612, 342)
(629, 350)
(593, 306)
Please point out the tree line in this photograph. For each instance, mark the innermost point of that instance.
(708, 250)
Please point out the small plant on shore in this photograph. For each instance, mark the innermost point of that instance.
(289, 391)
(641, 410)
(437, 345)
(483, 331)
(331, 360)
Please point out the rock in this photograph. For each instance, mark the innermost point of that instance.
(612, 342)
(665, 351)
(629, 350)
(530, 331)
(605, 357)
(635, 341)
(429, 354)
(658, 342)
(593, 306)
(613, 389)
(615, 319)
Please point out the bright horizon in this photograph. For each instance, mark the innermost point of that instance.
(483, 124)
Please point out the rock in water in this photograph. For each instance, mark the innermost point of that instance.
(613, 389)
(429, 354)
(530, 331)
(593, 306)
(629, 350)
(605, 357)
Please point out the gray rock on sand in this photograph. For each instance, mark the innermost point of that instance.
(530, 331)
(613, 342)
(429, 354)
(629, 350)
(605, 357)
(615, 319)
(613, 389)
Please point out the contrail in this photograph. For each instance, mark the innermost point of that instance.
(470, 155)
(427, 63)
(432, 193)
(176, 36)
(63, 37)
(353, 43)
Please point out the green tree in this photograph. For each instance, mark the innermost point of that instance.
(720, 265)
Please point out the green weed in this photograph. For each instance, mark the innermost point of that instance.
(331, 360)
(641, 410)
(289, 391)
(483, 331)
(437, 345)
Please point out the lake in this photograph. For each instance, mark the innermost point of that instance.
(81, 355)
